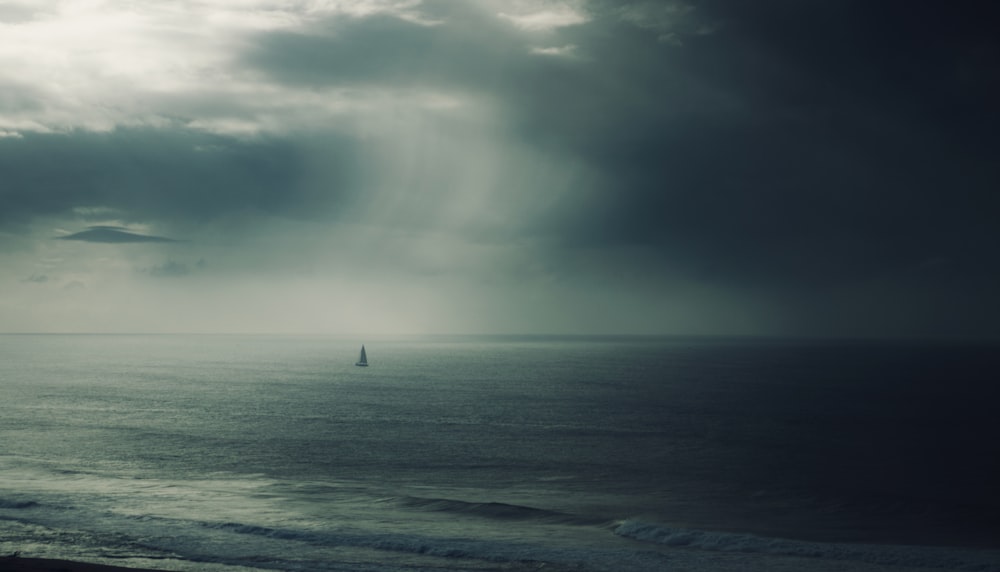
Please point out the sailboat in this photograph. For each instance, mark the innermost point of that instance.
(363, 360)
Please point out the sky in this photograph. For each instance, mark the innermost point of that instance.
(693, 167)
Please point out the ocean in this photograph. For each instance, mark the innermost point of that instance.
(244, 453)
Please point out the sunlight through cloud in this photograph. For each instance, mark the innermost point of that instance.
(543, 16)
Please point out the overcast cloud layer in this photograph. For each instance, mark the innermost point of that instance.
(690, 167)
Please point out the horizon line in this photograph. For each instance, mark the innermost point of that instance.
(678, 336)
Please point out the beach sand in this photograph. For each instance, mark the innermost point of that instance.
(17, 564)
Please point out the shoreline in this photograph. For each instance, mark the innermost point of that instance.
(24, 564)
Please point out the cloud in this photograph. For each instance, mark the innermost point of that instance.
(173, 269)
(170, 268)
(100, 66)
(535, 17)
(15, 12)
(593, 150)
(555, 50)
(670, 20)
(169, 176)
(110, 234)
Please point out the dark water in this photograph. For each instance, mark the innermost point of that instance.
(255, 452)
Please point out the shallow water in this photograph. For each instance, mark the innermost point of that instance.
(473, 453)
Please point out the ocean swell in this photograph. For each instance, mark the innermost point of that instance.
(17, 504)
(495, 510)
(894, 555)
(403, 543)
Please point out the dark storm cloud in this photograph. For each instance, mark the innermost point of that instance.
(839, 157)
(387, 51)
(769, 142)
(793, 147)
(112, 234)
(869, 140)
(798, 143)
(168, 175)
(777, 149)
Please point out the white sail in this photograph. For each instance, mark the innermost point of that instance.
(363, 360)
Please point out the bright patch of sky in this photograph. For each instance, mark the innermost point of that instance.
(543, 16)
(99, 64)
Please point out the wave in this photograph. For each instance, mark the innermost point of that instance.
(891, 555)
(154, 537)
(454, 548)
(269, 545)
(497, 511)
(17, 504)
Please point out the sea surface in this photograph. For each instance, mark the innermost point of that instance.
(240, 453)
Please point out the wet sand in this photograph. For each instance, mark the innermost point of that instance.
(17, 564)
